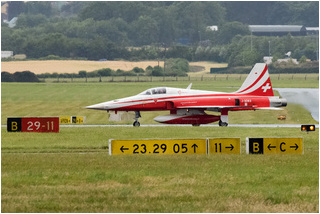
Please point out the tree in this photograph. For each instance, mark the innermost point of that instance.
(38, 7)
(230, 29)
(180, 51)
(12, 39)
(138, 70)
(48, 44)
(31, 20)
(164, 20)
(105, 72)
(145, 30)
(176, 67)
(157, 71)
(128, 11)
(99, 11)
(6, 77)
(25, 76)
(14, 9)
(310, 52)
(303, 59)
(192, 18)
(82, 74)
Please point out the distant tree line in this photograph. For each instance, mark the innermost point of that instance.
(24, 76)
(173, 68)
(157, 30)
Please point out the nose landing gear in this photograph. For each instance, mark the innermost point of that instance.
(137, 116)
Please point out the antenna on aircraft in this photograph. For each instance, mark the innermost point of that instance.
(189, 86)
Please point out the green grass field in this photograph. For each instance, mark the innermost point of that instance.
(71, 171)
(66, 99)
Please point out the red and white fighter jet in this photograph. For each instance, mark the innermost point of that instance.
(188, 106)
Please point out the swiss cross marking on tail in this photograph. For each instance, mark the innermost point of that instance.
(266, 87)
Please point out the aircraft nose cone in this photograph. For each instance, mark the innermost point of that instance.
(96, 106)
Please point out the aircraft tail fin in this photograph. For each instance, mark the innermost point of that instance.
(258, 82)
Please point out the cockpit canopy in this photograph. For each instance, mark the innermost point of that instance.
(161, 90)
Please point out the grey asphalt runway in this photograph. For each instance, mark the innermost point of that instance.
(308, 97)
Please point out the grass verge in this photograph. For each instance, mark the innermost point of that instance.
(72, 172)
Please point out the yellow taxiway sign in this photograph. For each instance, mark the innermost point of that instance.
(165, 146)
(224, 146)
(275, 145)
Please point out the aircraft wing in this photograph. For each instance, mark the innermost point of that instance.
(219, 103)
(269, 108)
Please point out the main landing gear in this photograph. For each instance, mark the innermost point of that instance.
(224, 118)
(137, 116)
(223, 124)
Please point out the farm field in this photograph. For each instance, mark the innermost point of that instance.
(71, 171)
(74, 66)
(71, 66)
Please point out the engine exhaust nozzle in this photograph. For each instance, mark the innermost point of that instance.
(278, 102)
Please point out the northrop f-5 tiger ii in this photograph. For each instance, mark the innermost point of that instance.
(189, 106)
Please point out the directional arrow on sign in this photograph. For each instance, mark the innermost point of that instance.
(296, 146)
(231, 147)
(123, 148)
(194, 146)
(270, 147)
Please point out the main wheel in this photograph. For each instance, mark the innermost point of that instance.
(223, 123)
(196, 124)
(136, 124)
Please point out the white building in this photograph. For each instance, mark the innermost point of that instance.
(212, 28)
(6, 54)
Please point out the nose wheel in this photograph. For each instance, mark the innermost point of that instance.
(136, 124)
(137, 116)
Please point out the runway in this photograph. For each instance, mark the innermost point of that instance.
(307, 97)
